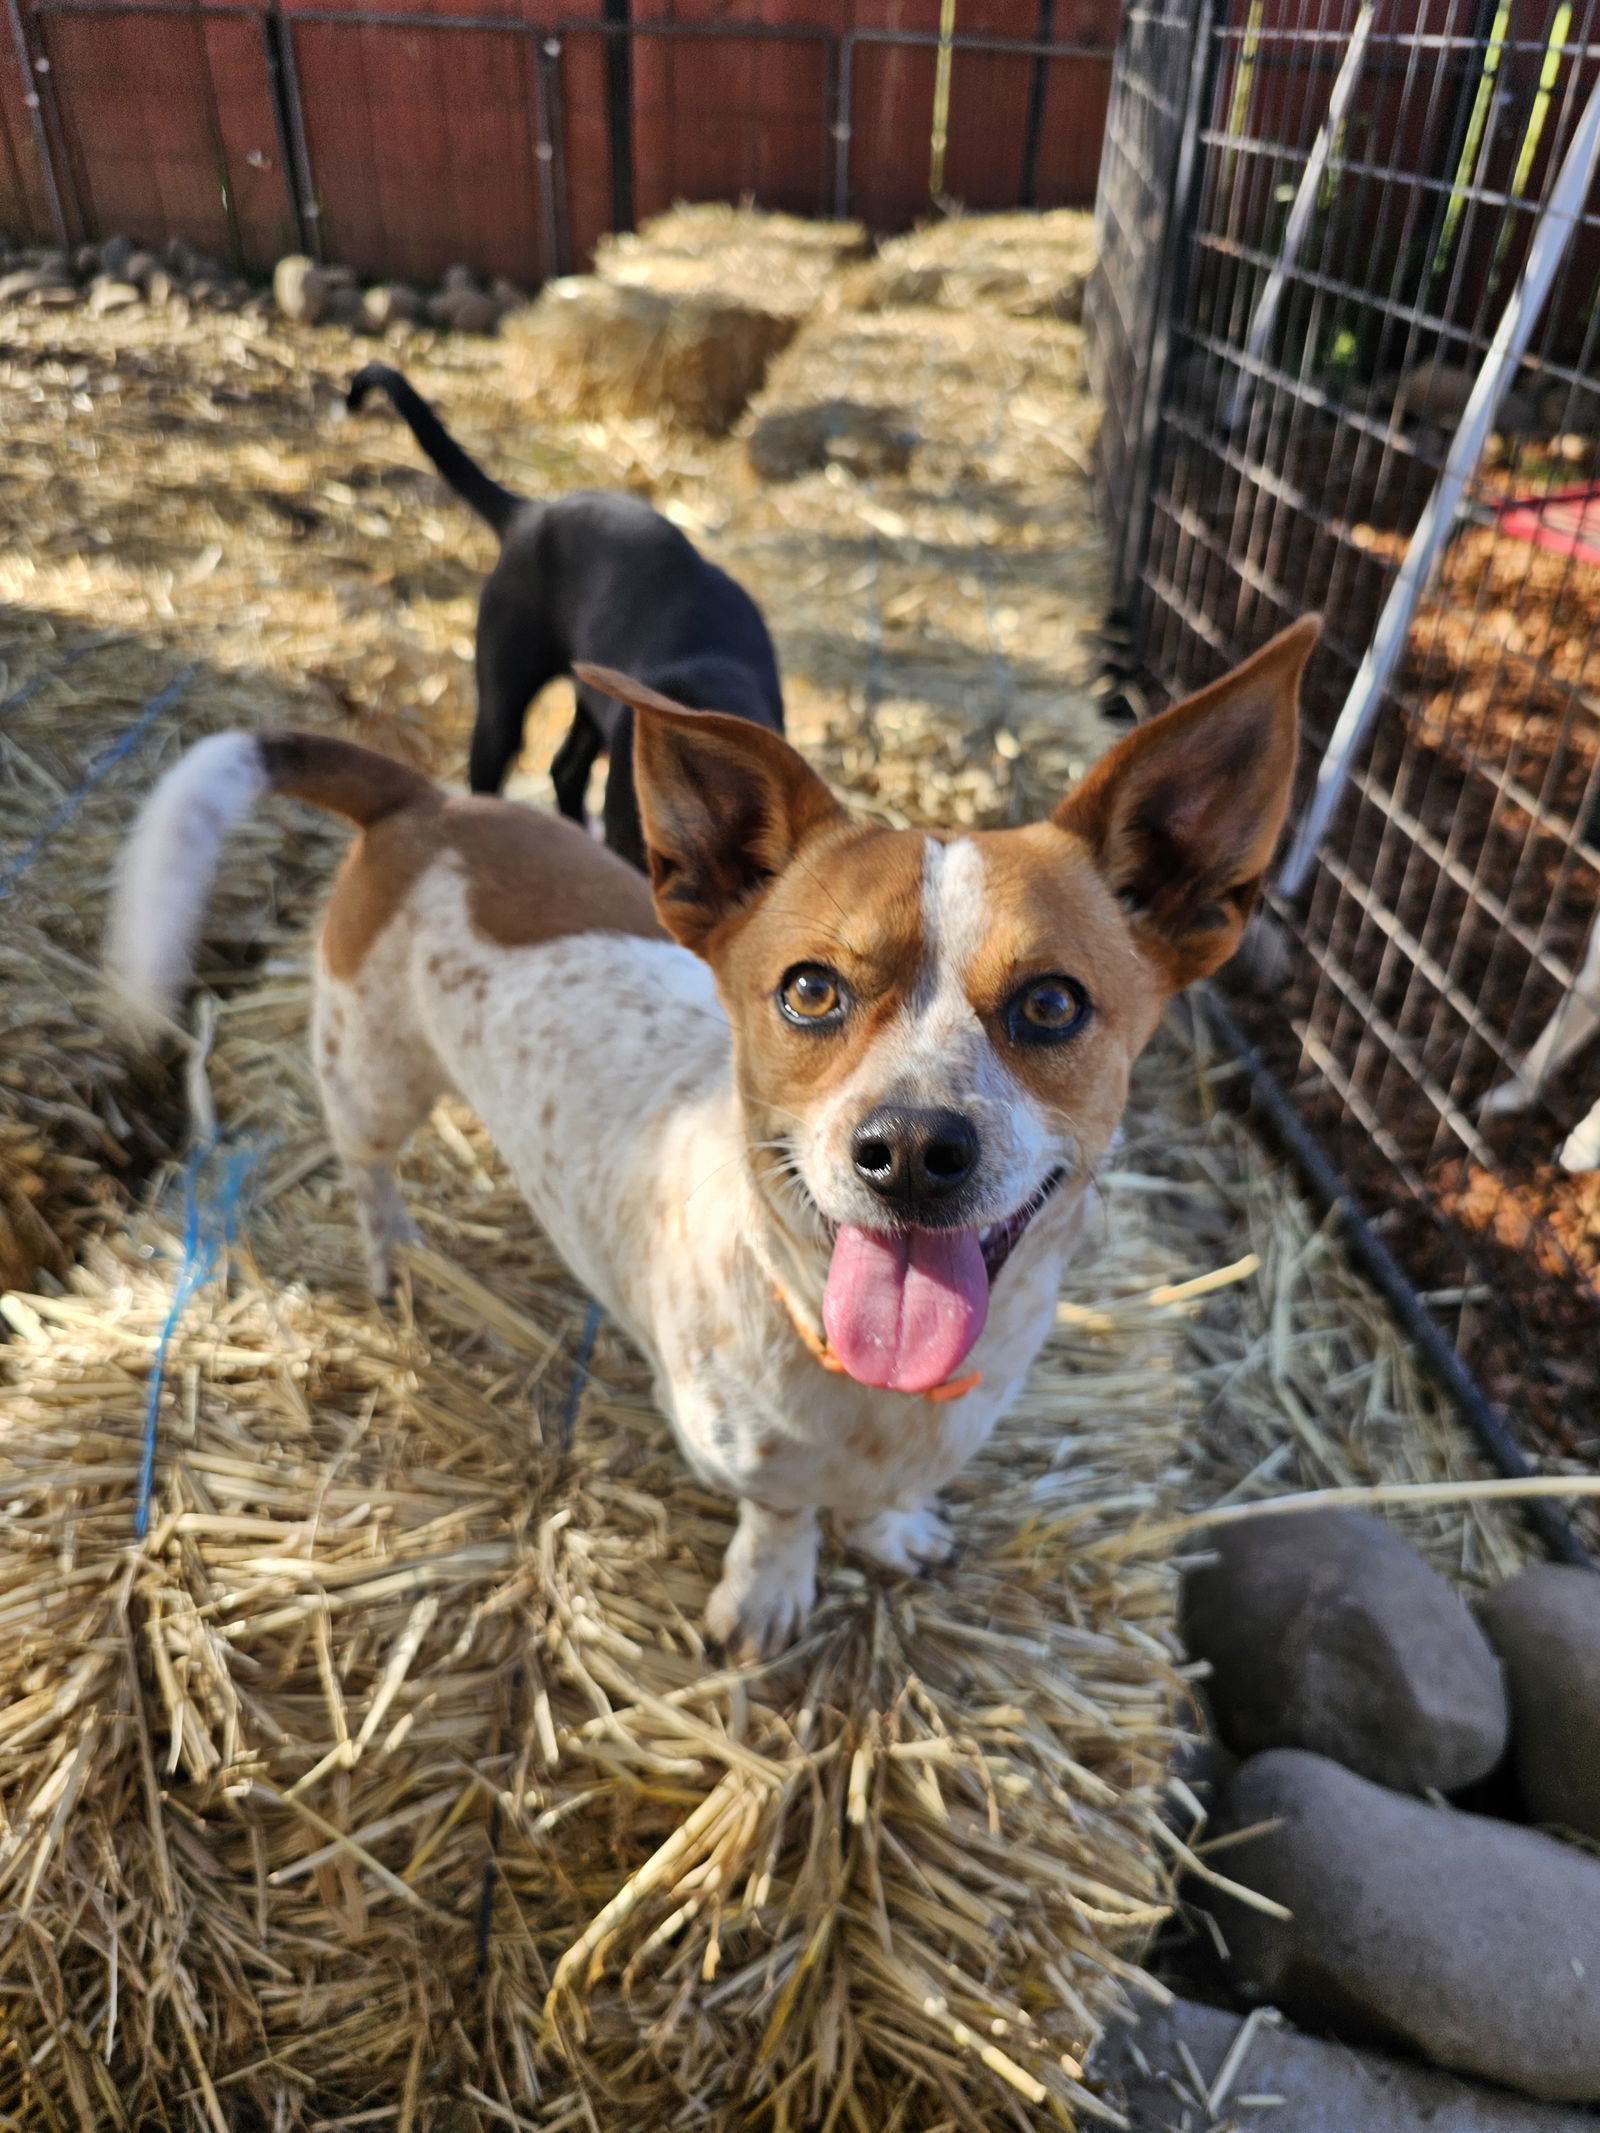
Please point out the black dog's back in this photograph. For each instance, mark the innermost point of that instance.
(601, 577)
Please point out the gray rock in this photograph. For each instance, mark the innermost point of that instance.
(1325, 2088)
(465, 311)
(458, 280)
(342, 306)
(86, 260)
(1545, 1625)
(390, 303)
(301, 288)
(1471, 1941)
(114, 257)
(140, 267)
(107, 294)
(1328, 1631)
(16, 287)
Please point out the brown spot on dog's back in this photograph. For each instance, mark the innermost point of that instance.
(531, 877)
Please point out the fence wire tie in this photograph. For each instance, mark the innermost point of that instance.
(580, 1370)
(210, 1214)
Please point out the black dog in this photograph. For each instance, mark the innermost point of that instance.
(595, 577)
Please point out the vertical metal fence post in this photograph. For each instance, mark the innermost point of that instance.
(619, 110)
(830, 121)
(1177, 231)
(308, 209)
(841, 127)
(1033, 127)
(280, 119)
(552, 160)
(41, 135)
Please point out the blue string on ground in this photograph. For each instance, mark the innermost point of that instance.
(580, 1370)
(209, 1216)
(35, 682)
(124, 744)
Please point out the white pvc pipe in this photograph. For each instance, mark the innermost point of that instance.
(1557, 219)
(1265, 314)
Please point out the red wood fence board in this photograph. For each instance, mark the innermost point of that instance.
(167, 130)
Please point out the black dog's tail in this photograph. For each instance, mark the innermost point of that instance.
(464, 475)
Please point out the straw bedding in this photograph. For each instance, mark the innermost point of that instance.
(386, 1781)
(392, 1764)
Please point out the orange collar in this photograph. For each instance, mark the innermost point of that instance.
(951, 1389)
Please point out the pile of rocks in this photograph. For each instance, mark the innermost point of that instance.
(315, 295)
(120, 275)
(1361, 1694)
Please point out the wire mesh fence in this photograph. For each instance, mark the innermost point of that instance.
(1290, 330)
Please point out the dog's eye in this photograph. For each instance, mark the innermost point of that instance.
(812, 994)
(1047, 1010)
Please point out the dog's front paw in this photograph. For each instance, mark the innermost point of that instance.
(768, 1586)
(907, 1541)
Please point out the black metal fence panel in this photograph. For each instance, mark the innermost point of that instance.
(1275, 442)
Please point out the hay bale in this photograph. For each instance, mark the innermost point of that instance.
(681, 320)
(390, 1772)
(777, 261)
(691, 356)
(1025, 266)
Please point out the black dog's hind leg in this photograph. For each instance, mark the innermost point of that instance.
(513, 666)
(622, 802)
(574, 760)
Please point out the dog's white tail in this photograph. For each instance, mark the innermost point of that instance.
(164, 876)
(165, 871)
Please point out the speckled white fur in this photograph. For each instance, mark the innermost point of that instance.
(601, 1066)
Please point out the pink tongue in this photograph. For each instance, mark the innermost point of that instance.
(905, 1311)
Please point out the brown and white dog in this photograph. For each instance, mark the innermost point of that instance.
(814, 1114)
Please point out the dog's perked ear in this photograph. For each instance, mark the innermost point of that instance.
(724, 805)
(1184, 814)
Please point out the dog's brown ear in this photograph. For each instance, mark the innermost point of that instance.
(1184, 814)
(724, 806)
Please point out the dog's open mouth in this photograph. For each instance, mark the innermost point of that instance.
(903, 1309)
(1000, 1239)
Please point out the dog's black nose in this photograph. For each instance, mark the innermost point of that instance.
(914, 1159)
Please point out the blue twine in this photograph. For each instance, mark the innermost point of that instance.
(208, 1223)
(580, 1370)
(148, 713)
(35, 682)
